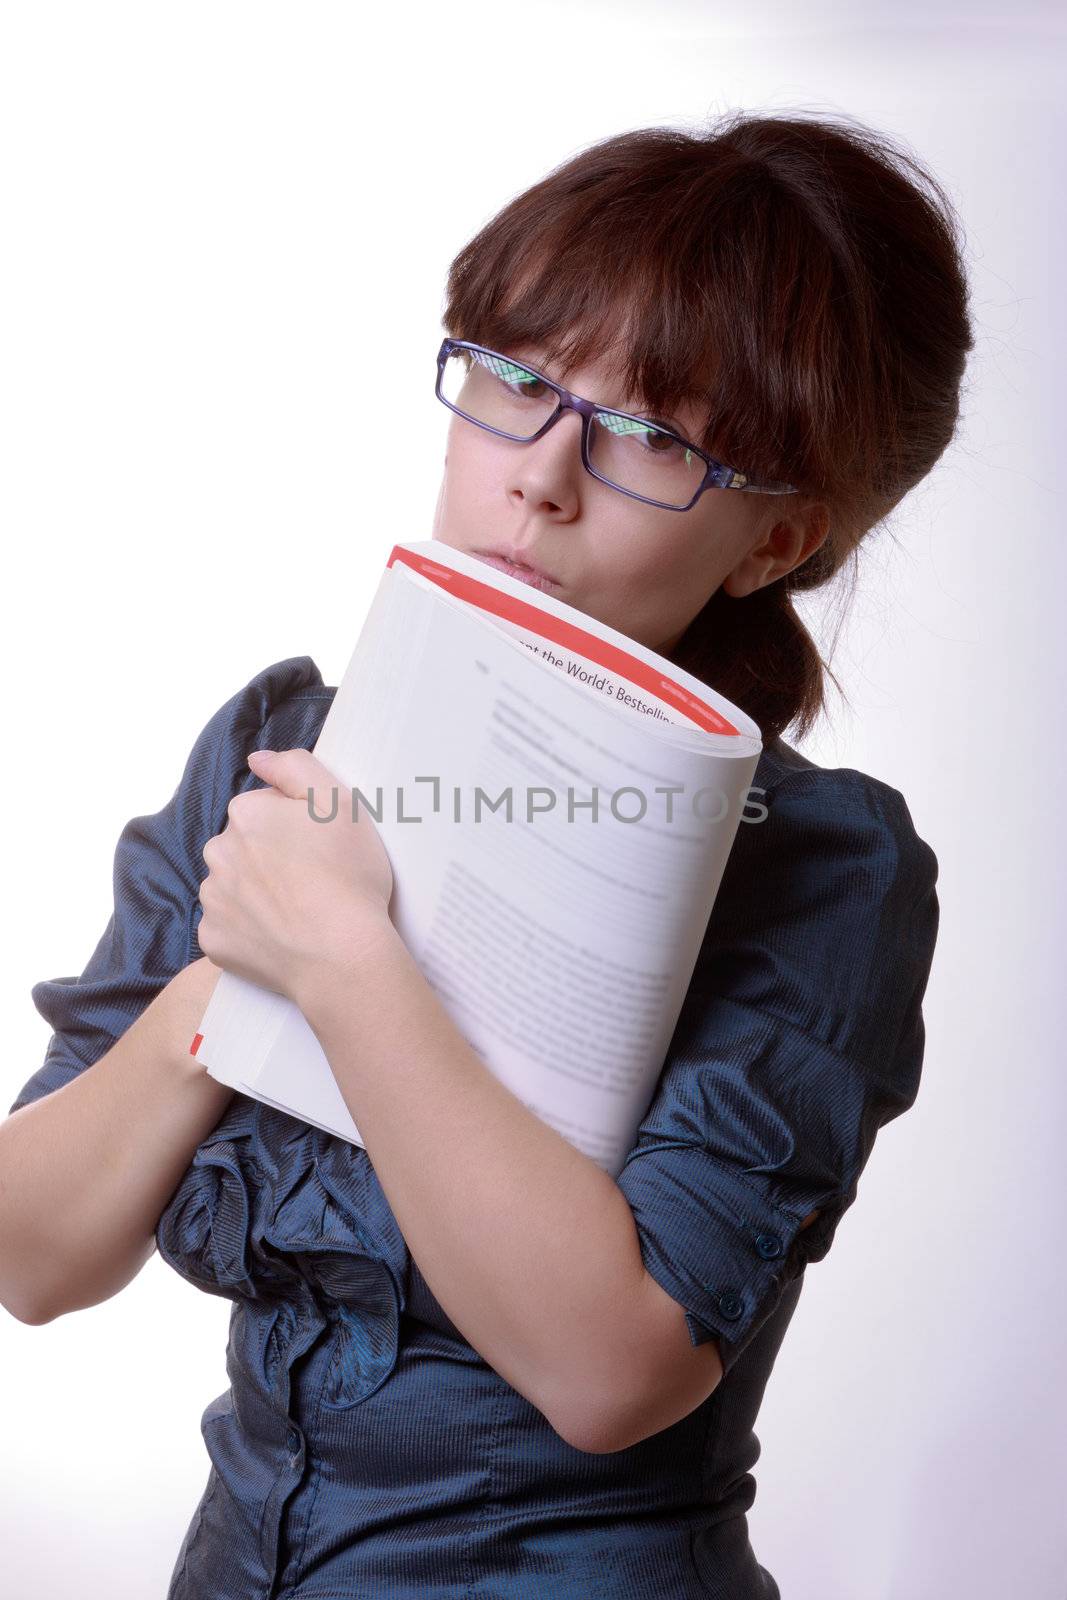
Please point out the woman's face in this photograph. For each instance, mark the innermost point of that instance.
(636, 567)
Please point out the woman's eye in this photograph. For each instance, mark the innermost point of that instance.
(515, 379)
(526, 387)
(659, 443)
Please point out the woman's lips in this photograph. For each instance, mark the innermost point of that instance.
(530, 575)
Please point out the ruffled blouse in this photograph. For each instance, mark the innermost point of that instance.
(363, 1447)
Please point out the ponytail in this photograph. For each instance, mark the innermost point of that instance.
(758, 652)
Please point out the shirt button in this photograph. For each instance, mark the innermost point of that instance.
(731, 1305)
(292, 1440)
(769, 1245)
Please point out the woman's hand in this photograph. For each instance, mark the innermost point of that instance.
(293, 882)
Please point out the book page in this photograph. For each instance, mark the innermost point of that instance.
(559, 930)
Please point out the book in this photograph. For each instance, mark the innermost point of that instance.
(558, 804)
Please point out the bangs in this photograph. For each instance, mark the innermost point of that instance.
(798, 285)
(704, 294)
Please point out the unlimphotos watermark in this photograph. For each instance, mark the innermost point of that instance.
(629, 803)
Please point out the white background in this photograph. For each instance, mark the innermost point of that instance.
(226, 229)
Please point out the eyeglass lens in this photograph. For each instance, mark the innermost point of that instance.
(632, 455)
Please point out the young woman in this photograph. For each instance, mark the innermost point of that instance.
(465, 1361)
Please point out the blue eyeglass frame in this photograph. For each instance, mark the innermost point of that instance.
(717, 476)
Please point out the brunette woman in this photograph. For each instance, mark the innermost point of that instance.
(465, 1361)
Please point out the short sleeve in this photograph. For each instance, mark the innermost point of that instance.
(158, 870)
(800, 1036)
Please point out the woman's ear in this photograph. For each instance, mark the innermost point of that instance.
(790, 540)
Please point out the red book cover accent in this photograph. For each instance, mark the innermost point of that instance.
(570, 637)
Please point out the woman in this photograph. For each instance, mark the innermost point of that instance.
(464, 1361)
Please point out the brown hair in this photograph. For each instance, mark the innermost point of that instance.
(801, 280)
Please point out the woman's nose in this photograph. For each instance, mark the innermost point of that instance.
(549, 471)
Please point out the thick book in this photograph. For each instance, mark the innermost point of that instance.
(558, 804)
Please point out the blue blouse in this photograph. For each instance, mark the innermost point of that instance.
(363, 1448)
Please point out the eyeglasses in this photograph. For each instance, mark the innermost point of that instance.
(639, 456)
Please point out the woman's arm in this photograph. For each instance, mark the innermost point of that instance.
(86, 1170)
(528, 1245)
